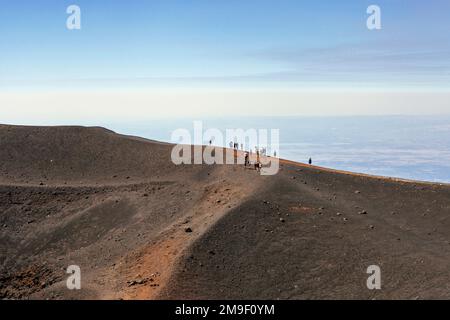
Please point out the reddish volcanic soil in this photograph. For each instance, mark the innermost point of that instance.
(141, 227)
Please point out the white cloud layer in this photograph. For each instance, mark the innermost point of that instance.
(78, 106)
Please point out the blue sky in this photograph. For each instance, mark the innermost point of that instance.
(285, 43)
(159, 58)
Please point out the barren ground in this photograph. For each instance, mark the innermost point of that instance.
(117, 207)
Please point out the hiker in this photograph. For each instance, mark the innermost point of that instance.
(210, 142)
(242, 146)
(258, 166)
(247, 162)
(231, 144)
(310, 161)
(275, 153)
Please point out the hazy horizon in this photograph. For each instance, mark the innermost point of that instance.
(409, 147)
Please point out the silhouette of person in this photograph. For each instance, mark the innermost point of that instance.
(246, 159)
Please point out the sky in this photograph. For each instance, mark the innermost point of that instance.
(148, 58)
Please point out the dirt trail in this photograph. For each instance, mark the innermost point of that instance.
(152, 265)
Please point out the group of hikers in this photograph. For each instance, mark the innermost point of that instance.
(259, 152)
(247, 163)
(257, 163)
(235, 145)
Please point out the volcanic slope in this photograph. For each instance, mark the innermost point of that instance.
(141, 227)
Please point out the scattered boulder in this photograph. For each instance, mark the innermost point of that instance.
(188, 230)
(135, 282)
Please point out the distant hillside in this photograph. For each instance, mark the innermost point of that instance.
(64, 154)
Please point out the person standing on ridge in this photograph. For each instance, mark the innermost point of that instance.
(310, 161)
(247, 162)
